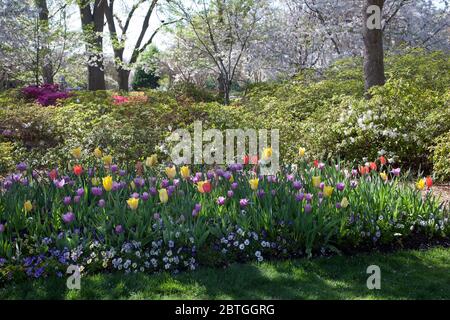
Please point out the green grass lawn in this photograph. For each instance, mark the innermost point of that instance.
(404, 275)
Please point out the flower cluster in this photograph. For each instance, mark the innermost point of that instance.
(46, 94)
(157, 216)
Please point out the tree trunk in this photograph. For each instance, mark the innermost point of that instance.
(93, 23)
(47, 65)
(124, 76)
(373, 49)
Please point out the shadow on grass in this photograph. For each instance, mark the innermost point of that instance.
(404, 275)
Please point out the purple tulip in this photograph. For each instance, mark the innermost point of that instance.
(338, 205)
(297, 185)
(67, 200)
(176, 182)
(76, 199)
(2, 228)
(340, 186)
(322, 185)
(101, 203)
(153, 191)
(165, 183)
(221, 201)
(299, 197)
(80, 192)
(308, 208)
(156, 216)
(135, 195)
(308, 197)
(145, 196)
(260, 193)
(210, 175)
(321, 166)
(7, 133)
(170, 190)
(97, 191)
(230, 194)
(68, 217)
(290, 177)
(273, 192)
(59, 183)
(220, 172)
(227, 175)
(139, 182)
(114, 168)
(198, 207)
(116, 186)
(320, 195)
(122, 173)
(396, 172)
(234, 186)
(24, 182)
(118, 229)
(7, 184)
(243, 203)
(22, 166)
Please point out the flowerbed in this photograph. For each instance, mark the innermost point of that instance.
(155, 217)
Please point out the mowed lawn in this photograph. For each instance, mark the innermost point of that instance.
(404, 275)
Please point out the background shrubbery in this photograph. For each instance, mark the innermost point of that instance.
(408, 118)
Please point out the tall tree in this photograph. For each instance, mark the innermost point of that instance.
(47, 67)
(118, 34)
(373, 43)
(92, 21)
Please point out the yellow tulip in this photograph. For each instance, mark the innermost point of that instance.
(383, 176)
(231, 179)
(151, 161)
(267, 153)
(316, 181)
(301, 152)
(133, 203)
(171, 172)
(107, 160)
(28, 206)
(132, 185)
(108, 183)
(344, 202)
(421, 184)
(98, 153)
(163, 195)
(254, 183)
(185, 172)
(76, 153)
(328, 191)
(95, 181)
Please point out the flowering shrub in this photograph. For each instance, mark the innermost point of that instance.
(153, 217)
(45, 95)
(441, 157)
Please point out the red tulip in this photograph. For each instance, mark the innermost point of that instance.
(246, 159)
(429, 182)
(316, 163)
(53, 174)
(383, 160)
(373, 166)
(363, 170)
(78, 170)
(207, 187)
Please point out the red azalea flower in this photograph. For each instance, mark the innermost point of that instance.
(373, 166)
(383, 160)
(78, 170)
(316, 163)
(246, 159)
(429, 182)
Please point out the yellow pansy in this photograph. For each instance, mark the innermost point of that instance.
(267, 153)
(28, 206)
(301, 152)
(107, 160)
(185, 172)
(344, 202)
(171, 172)
(151, 161)
(383, 176)
(133, 203)
(108, 183)
(163, 195)
(316, 181)
(421, 184)
(254, 183)
(98, 153)
(328, 191)
(76, 153)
